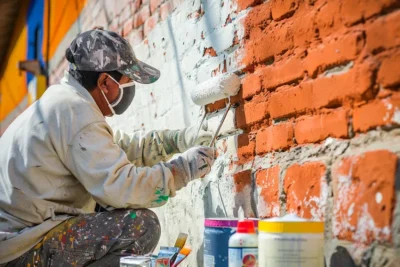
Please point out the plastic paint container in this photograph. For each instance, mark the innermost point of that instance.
(243, 246)
(217, 232)
(290, 241)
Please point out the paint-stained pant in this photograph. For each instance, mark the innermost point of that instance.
(96, 239)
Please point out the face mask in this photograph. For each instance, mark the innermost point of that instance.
(124, 99)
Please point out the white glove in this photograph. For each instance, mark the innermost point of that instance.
(194, 163)
(178, 141)
(202, 139)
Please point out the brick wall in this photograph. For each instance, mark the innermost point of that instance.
(318, 111)
(319, 107)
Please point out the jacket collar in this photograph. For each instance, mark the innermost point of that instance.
(69, 81)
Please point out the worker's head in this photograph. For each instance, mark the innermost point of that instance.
(104, 63)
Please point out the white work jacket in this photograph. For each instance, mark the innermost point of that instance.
(60, 156)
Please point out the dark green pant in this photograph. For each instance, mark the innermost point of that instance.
(96, 239)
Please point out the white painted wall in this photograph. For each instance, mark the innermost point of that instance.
(176, 48)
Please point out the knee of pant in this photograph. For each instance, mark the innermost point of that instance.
(153, 231)
(147, 218)
(152, 223)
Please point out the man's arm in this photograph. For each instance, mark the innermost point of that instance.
(105, 171)
(155, 146)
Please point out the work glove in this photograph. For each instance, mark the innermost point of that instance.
(203, 138)
(194, 163)
(186, 138)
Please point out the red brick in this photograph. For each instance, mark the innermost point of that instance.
(268, 202)
(246, 148)
(353, 85)
(282, 72)
(242, 179)
(128, 26)
(380, 112)
(363, 190)
(384, 32)
(166, 9)
(312, 129)
(251, 112)
(141, 16)
(151, 23)
(251, 85)
(243, 4)
(265, 44)
(303, 28)
(267, 178)
(283, 8)
(257, 17)
(306, 190)
(135, 5)
(220, 104)
(289, 100)
(333, 51)
(328, 19)
(389, 74)
(275, 137)
(210, 51)
(353, 11)
(154, 4)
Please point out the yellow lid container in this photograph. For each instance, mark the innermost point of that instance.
(286, 226)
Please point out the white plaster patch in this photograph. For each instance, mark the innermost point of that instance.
(378, 197)
(338, 70)
(221, 39)
(265, 209)
(396, 116)
(389, 107)
(229, 125)
(351, 210)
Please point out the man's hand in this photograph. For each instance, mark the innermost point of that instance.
(194, 163)
(202, 139)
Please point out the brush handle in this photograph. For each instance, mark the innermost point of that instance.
(213, 140)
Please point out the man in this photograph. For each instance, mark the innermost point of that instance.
(60, 157)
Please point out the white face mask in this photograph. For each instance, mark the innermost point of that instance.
(120, 95)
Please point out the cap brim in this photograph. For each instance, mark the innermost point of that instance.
(141, 72)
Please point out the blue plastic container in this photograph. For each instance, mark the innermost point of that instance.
(217, 232)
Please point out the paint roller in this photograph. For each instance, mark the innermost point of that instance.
(212, 90)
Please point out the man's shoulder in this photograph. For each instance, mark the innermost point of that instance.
(62, 99)
(69, 109)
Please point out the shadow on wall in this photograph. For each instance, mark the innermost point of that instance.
(183, 94)
(341, 258)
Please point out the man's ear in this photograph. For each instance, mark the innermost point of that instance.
(101, 82)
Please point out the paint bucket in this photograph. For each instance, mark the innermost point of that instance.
(217, 232)
(290, 241)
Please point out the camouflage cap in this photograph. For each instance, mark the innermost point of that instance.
(100, 50)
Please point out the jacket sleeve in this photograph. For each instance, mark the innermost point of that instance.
(105, 171)
(148, 149)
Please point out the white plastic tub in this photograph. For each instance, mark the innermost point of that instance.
(290, 242)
